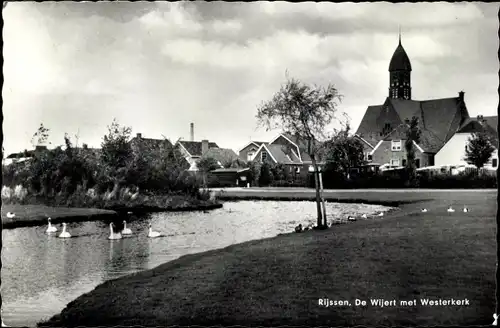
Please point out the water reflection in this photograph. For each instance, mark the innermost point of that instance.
(42, 273)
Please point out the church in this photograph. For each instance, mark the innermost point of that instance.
(383, 127)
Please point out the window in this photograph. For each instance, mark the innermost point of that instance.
(297, 170)
(417, 162)
(263, 156)
(494, 162)
(370, 157)
(396, 145)
(395, 162)
(250, 155)
(404, 162)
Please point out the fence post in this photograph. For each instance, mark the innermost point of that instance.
(322, 198)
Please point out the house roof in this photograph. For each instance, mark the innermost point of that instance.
(474, 125)
(280, 154)
(150, 142)
(221, 155)
(400, 60)
(194, 147)
(256, 143)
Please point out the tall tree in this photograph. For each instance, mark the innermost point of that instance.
(343, 151)
(40, 137)
(479, 149)
(304, 111)
(412, 136)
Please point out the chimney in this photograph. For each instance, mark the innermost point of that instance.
(139, 135)
(191, 132)
(40, 148)
(461, 96)
(204, 146)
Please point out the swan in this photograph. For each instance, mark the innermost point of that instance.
(10, 215)
(450, 210)
(364, 216)
(113, 235)
(424, 210)
(50, 228)
(64, 233)
(466, 209)
(129, 213)
(126, 231)
(350, 218)
(381, 214)
(153, 234)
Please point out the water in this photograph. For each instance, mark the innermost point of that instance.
(41, 274)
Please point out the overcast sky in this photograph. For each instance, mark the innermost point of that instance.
(157, 66)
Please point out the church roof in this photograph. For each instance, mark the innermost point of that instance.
(400, 60)
(439, 119)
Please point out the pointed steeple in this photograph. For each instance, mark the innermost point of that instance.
(399, 34)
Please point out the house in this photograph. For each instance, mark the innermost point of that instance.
(195, 150)
(384, 126)
(453, 152)
(23, 156)
(285, 149)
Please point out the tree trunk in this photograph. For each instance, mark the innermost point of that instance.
(318, 198)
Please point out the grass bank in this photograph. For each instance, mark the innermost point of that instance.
(35, 215)
(408, 255)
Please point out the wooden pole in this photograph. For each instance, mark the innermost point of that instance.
(322, 198)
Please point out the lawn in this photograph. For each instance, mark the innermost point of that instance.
(407, 255)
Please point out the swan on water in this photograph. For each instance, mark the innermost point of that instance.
(50, 228)
(381, 214)
(466, 209)
(64, 233)
(351, 218)
(10, 215)
(153, 234)
(424, 210)
(450, 209)
(364, 216)
(113, 235)
(129, 213)
(126, 231)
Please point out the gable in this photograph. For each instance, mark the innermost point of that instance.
(263, 148)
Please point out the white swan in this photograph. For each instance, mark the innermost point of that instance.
(364, 216)
(381, 214)
(129, 213)
(10, 215)
(466, 209)
(64, 233)
(113, 235)
(450, 210)
(153, 234)
(350, 218)
(424, 210)
(126, 231)
(50, 228)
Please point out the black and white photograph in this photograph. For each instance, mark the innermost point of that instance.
(256, 164)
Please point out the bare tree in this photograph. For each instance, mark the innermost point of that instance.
(304, 111)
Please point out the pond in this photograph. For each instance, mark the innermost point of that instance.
(41, 273)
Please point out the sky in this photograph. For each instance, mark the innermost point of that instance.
(158, 66)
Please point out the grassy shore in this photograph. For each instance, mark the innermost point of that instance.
(34, 215)
(407, 255)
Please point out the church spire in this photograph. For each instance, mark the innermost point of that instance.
(399, 34)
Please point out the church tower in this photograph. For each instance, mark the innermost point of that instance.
(400, 74)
